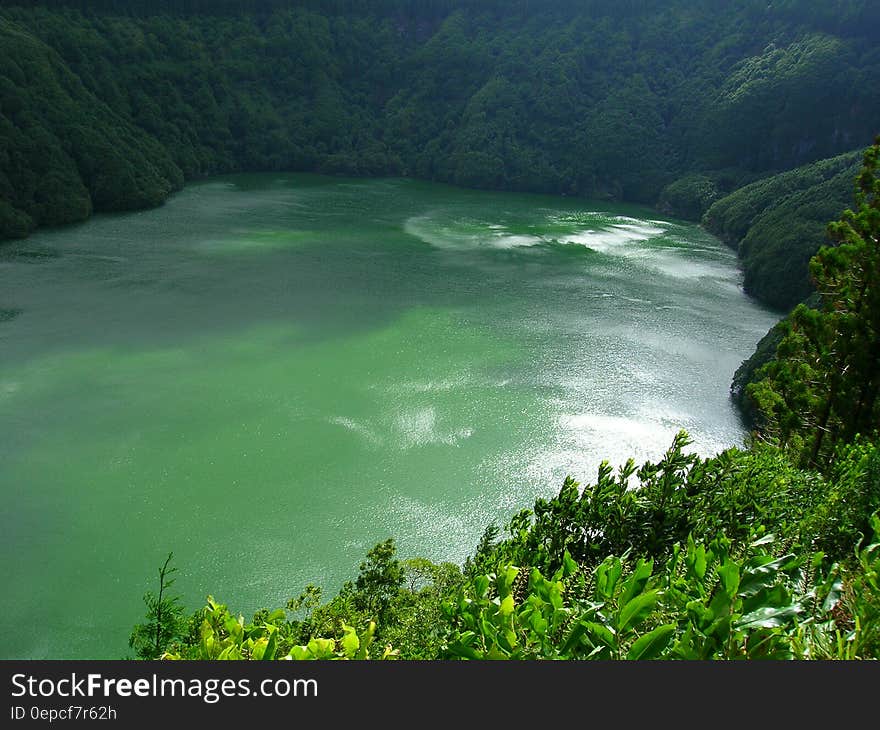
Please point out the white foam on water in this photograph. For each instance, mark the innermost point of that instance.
(640, 231)
(670, 262)
(515, 241)
(419, 428)
(422, 227)
(618, 235)
(429, 386)
(461, 235)
(604, 241)
(361, 429)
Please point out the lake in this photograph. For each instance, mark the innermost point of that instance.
(271, 373)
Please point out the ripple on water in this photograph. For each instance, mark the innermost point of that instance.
(617, 235)
(418, 427)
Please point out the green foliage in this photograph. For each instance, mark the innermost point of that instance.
(778, 223)
(842, 516)
(747, 371)
(63, 150)
(223, 636)
(645, 511)
(823, 387)
(707, 601)
(380, 578)
(690, 197)
(405, 596)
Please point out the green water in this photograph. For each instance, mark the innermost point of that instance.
(270, 374)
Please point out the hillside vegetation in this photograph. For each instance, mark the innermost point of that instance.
(778, 223)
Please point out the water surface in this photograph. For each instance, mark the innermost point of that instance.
(269, 374)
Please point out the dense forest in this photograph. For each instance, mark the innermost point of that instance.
(768, 552)
(112, 105)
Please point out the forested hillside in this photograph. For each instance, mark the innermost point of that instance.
(778, 223)
(111, 105)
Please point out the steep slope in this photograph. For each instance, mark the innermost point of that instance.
(63, 152)
(778, 223)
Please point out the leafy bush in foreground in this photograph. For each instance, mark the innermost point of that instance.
(706, 602)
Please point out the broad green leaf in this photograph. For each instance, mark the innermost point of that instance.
(350, 642)
(652, 644)
(636, 611)
(507, 606)
(259, 648)
(496, 654)
(695, 559)
(505, 580)
(271, 645)
(464, 651)
(764, 563)
(539, 624)
(832, 598)
(774, 597)
(569, 565)
(555, 595)
(321, 648)
(768, 644)
(510, 639)
(229, 653)
(754, 581)
(719, 628)
(607, 575)
(766, 540)
(487, 628)
(366, 640)
(768, 618)
(276, 616)
(573, 639)
(231, 625)
(206, 630)
(700, 616)
(636, 583)
(300, 653)
(729, 575)
(600, 634)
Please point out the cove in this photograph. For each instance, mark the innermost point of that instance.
(271, 373)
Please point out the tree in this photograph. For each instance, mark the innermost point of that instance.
(824, 386)
(165, 618)
(379, 580)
